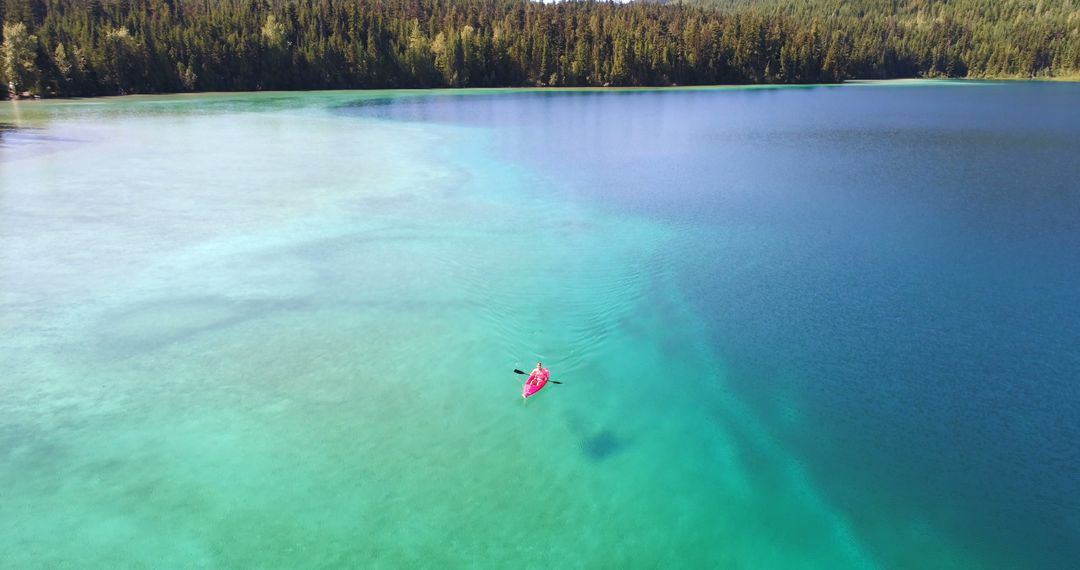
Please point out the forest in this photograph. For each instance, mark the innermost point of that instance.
(108, 47)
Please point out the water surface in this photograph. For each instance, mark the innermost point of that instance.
(803, 327)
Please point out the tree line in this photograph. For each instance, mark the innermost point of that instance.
(936, 38)
(99, 47)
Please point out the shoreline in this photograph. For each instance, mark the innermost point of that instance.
(598, 89)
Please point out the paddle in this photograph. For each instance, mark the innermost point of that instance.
(516, 371)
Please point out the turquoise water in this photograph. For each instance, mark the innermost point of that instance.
(807, 327)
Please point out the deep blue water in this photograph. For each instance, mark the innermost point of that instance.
(901, 264)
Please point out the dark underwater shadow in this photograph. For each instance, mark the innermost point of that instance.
(603, 444)
(597, 443)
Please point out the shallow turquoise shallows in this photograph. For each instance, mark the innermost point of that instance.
(826, 327)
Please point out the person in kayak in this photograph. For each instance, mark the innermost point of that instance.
(537, 374)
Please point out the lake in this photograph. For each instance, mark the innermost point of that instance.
(812, 327)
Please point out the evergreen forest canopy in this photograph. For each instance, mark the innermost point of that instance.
(99, 47)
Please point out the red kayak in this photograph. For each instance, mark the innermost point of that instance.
(537, 380)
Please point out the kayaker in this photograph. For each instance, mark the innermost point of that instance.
(537, 374)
